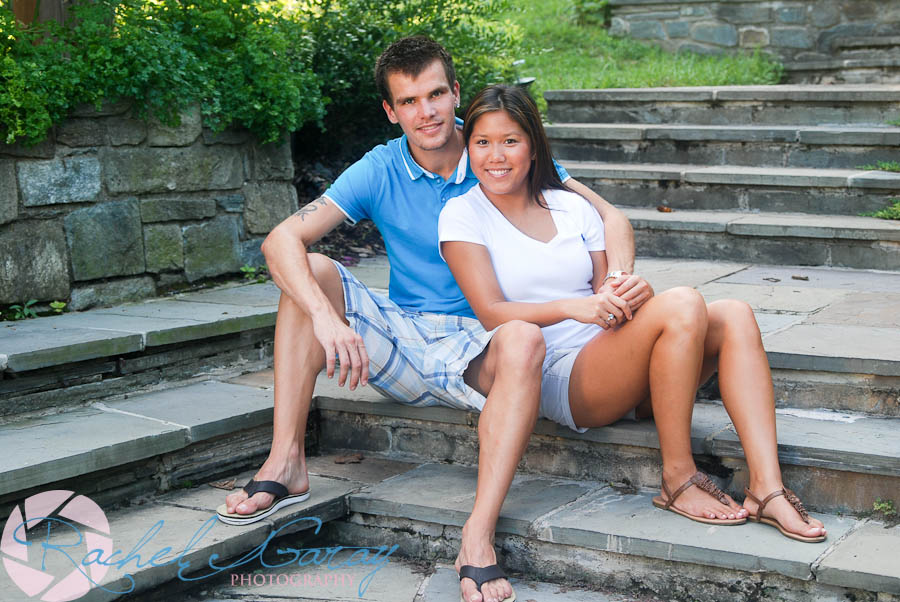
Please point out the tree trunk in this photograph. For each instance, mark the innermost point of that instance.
(27, 11)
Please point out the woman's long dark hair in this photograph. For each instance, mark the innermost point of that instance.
(521, 108)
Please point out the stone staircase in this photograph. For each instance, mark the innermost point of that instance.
(860, 59)
(141, 406)
(770, 173)
(167, 396)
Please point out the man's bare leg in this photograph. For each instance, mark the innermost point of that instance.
(510, 371)
(298, 360)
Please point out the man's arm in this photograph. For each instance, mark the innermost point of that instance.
(617, 228)
(619, 247)
(285, 252)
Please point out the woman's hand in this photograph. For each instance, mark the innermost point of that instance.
(603, 308)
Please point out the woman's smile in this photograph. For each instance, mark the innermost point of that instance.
(500, 153)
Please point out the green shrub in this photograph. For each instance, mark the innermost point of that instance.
(889, 212)
(350, 34)
(267, 66)
(592, 12)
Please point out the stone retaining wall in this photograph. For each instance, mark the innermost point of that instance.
(111, 208)
(845, 32)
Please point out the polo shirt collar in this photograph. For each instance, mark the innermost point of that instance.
(416, 171)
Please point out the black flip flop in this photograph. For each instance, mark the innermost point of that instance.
(282, 499)
(481, 575)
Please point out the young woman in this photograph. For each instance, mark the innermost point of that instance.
(524, 247)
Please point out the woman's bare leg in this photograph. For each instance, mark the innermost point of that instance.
(734, 346)
(659, 352)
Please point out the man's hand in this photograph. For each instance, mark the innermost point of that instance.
(340, 341)
(632, 288)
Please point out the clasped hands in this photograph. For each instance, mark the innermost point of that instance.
(614, 303)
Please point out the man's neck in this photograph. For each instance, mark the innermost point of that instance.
(442, 161)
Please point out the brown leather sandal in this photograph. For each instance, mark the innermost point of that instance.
(702, 481)
(792, 498)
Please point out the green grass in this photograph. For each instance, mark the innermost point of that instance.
(894, 122)
(563, 55)
(890, 212)
(882, 166)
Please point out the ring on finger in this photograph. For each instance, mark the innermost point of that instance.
(610, 317)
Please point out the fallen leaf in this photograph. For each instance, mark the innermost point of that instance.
(226, 485)
(349, 459)
(800, 277)
(772, 279)
(664, 209)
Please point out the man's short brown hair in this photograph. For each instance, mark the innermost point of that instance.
(410, 56)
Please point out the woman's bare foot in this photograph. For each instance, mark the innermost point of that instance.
(781, 510)
(696, 502)
(477, 549)
(292, 474)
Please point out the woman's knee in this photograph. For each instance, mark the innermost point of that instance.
(733, 316)
(520, 344)
(685, 309)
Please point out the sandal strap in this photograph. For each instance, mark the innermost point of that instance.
(797, 504)
(789, 495)
(275, 488)
(481, 575)
(701, 480)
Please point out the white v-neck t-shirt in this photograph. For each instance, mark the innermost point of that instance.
(527, 269)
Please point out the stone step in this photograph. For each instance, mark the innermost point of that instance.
(175, 541)
(729, 105)
(74, 374)
(65, 361)
(117, 450)
(771, 238)
(874, 41)
(363, 519)
(739, 188)
(836, 462)
(589, 532)
(852, 67)
(755, 146)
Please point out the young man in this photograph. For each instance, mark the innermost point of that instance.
(324, 312)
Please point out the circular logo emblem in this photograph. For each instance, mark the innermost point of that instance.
(43, 550)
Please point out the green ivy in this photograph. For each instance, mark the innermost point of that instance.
(266, 66)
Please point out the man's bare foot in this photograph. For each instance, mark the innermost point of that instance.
(477, 549)
(291, 474)
(781, 510)
(696, 502)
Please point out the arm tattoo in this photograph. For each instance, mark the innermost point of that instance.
(311, 207)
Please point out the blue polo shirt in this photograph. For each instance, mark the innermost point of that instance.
(404, 201)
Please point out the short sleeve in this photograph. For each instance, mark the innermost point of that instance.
(458, 222)
(563, 174)
(355, 191)
(592, 226)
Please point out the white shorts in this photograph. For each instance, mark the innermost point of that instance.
(556, 373)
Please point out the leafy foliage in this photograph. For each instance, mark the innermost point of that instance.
(889, 212)
(882, 166)
(592, 12)
(350, 34)
(266, 66)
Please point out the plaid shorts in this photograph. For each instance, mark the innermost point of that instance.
(416, 358)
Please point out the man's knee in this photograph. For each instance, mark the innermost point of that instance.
(323, 268)
(519, 345)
